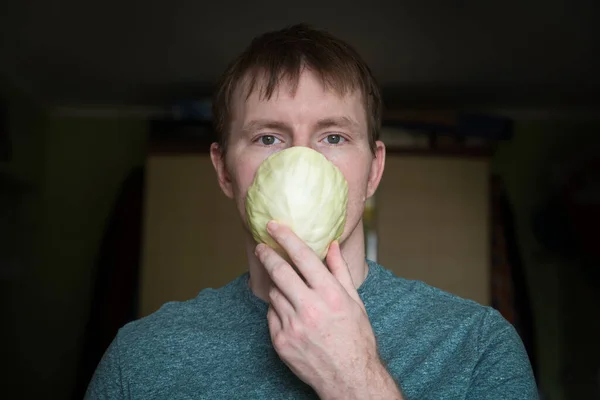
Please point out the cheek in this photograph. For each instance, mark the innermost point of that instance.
(242, 172)
(242, 181)
(357, 176)
(244, 163)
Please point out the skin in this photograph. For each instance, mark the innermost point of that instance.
(318, 325)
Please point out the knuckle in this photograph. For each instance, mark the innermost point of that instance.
(335, 300)
(311, 316)
(280, 341)
(273, 294)
(296, 329)
(303, 254)
(279, 272)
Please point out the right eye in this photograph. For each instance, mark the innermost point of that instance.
(268, 140)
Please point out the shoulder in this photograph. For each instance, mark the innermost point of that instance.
(421, 300)
(473, 338)
(147, 354)
(426, 313)
(178, 320)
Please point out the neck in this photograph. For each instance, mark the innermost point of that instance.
(353, 251)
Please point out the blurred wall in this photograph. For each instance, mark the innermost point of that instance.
(72, 169)
(23, 327)
(193, 236)
(565, 305)
(433, 222)
(86, 161)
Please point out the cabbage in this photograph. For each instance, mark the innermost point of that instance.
(302, 189)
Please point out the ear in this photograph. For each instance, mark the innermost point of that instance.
(218, 160)
(377, 166)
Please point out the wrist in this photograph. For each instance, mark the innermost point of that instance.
(372, 382)
(381, 384)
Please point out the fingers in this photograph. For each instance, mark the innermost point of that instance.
(281, 305)
(339, 269)
(302, 256)
(274, 321)
(283, 275)
(337, 266)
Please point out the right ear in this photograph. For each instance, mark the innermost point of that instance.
(218, 160)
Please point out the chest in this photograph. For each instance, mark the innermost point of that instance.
(218, 365)
(243, 364)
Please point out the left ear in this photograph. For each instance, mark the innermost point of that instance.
(377, 166)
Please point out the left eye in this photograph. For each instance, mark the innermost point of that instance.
(334, 139)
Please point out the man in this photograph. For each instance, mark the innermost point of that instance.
(346, 328)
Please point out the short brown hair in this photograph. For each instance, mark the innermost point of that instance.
(283, 54)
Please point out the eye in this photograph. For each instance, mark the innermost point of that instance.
(268, 140)
(334, 139)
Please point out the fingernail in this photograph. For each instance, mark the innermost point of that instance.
(272, 226)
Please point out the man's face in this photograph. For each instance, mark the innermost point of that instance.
(313, 117)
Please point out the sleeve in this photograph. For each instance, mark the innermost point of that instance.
(107, 381)
(503, 370)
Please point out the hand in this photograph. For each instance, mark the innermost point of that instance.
(319, 326)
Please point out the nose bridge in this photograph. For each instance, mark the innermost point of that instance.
(301, 136)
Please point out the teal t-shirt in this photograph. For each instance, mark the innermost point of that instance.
(217, 346)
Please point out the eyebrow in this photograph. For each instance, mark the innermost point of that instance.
(332, 122)
(339, 122)
(260, 124)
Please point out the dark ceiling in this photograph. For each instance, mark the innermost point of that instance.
(68, 52)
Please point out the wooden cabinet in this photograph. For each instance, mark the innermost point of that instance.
(432, 222)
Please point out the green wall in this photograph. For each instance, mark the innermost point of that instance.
(525, 163)
(87, 160)
(18, 296)
(72, 168)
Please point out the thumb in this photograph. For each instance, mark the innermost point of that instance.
(339, 269)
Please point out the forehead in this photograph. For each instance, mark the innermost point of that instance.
(308, 97)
